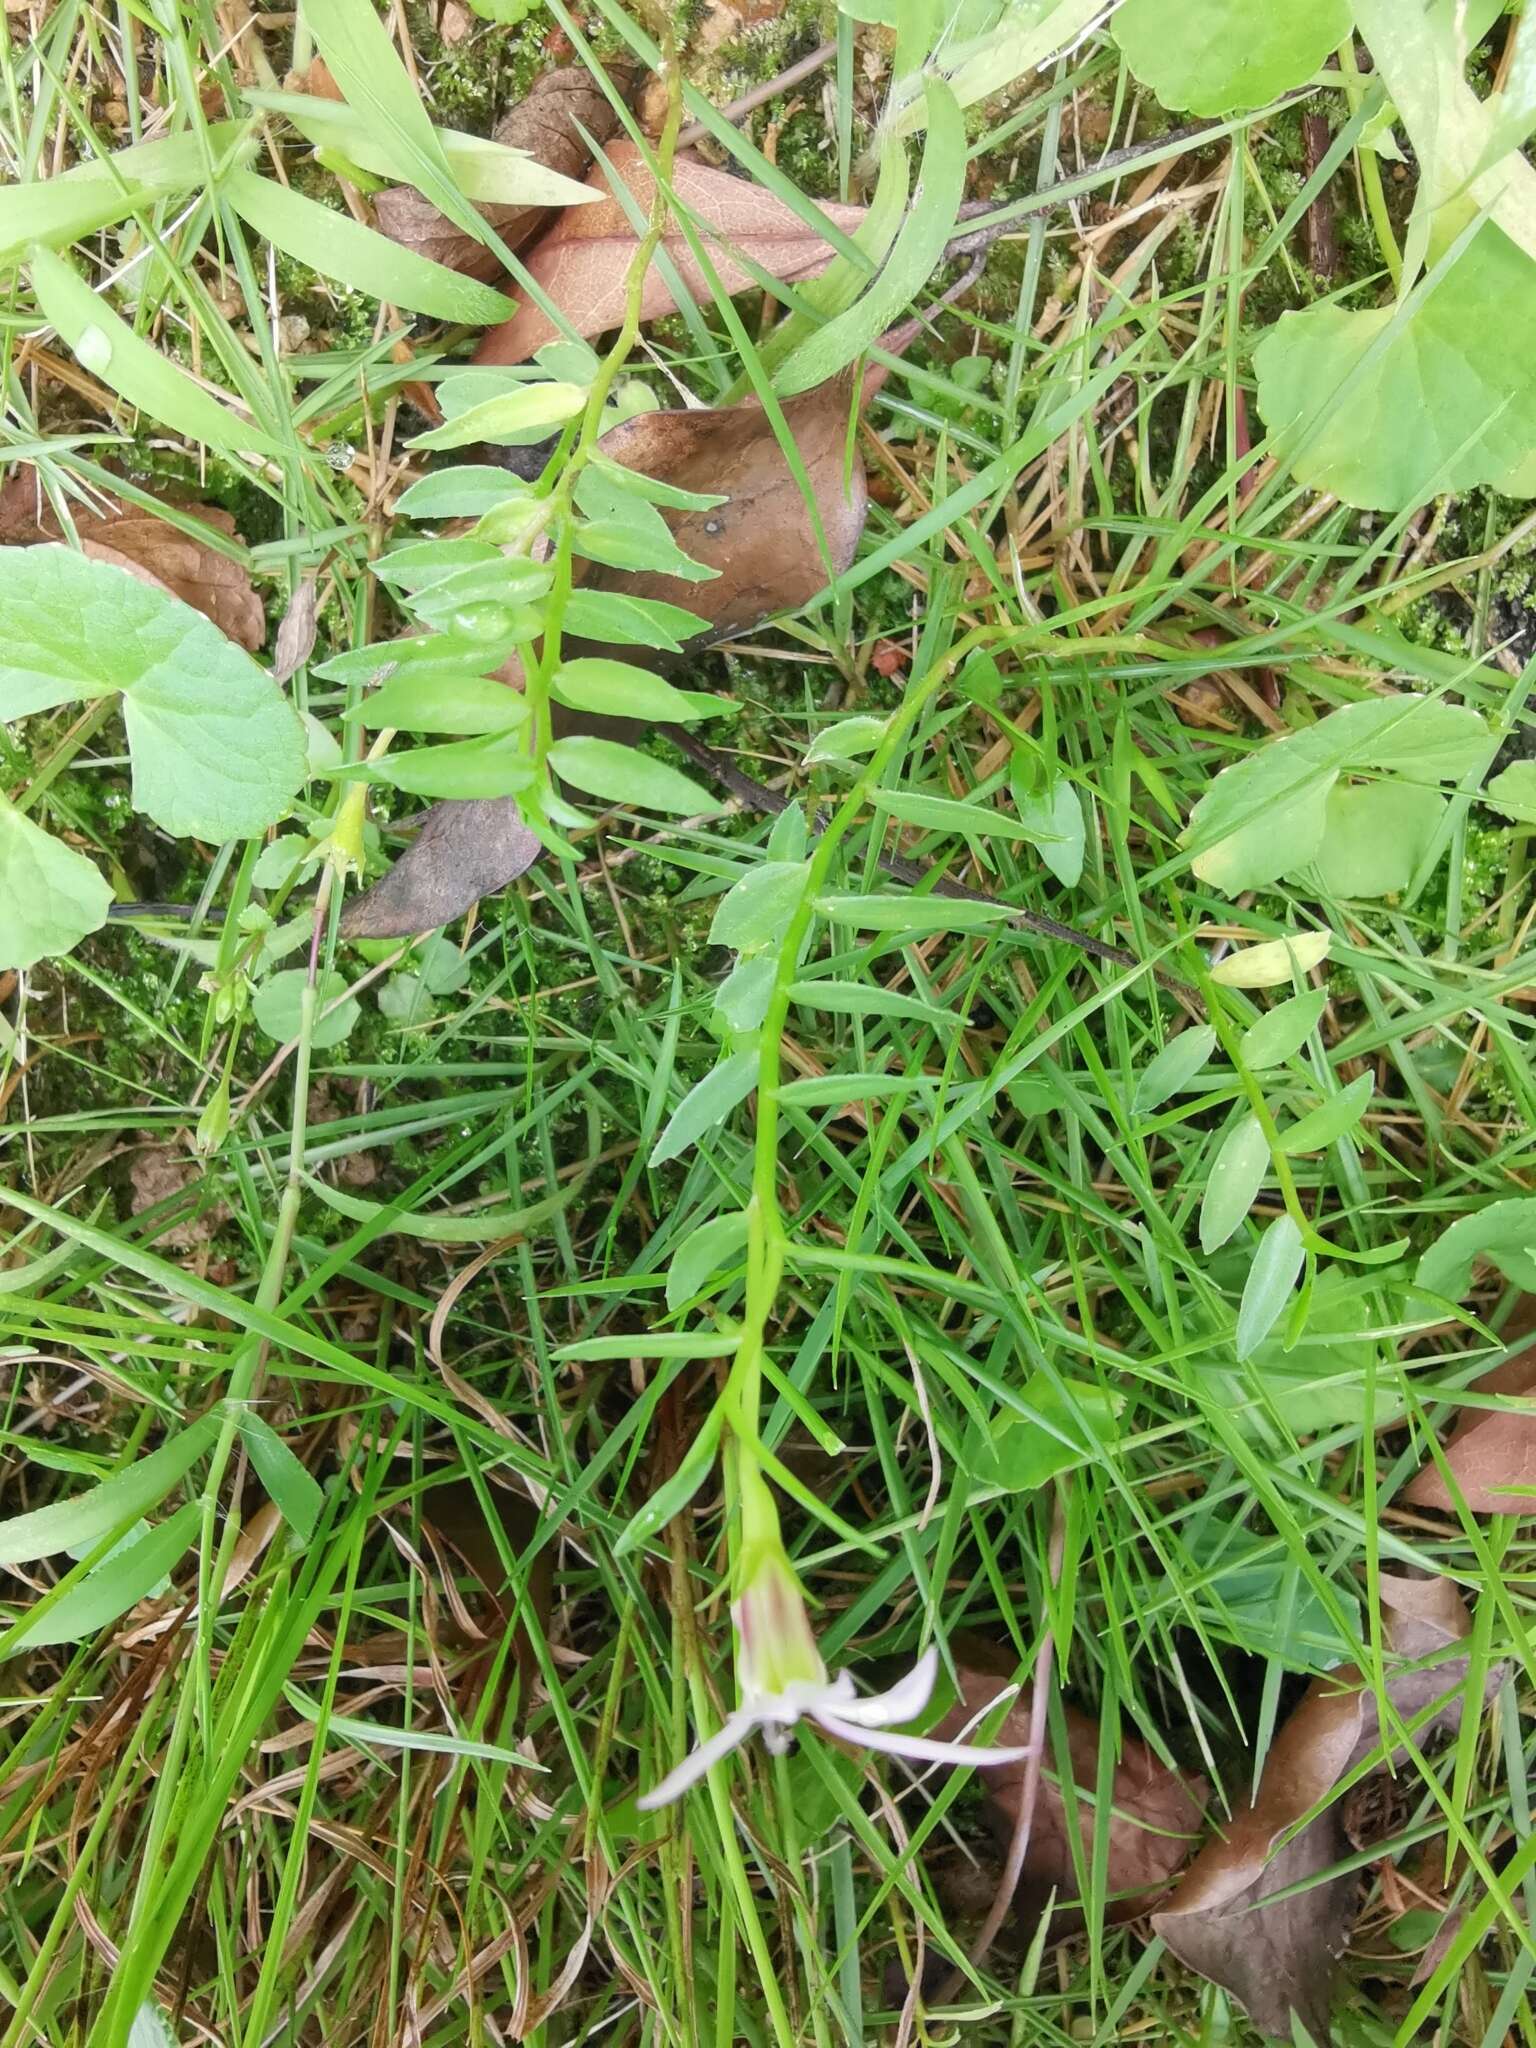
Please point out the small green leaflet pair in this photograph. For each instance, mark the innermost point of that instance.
(218, 752)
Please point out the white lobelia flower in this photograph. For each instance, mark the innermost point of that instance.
(783, 1681)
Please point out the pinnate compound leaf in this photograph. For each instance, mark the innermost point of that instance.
(129, 366)
(1278, 1960)
(1504, 1233)
(1209, 56)
(218, 751)
(1391, 406)
(50, 896)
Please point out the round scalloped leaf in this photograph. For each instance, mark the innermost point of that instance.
(1209, 56)
(50, 896)
(218, 751)
(1389, 408)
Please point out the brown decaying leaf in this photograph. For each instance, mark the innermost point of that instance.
(149, 548)
(295, 632)
(1278, 1959)
(583, 263)
(764, 546)
(1156, 1818)
(545, 124)
(1491, 1451)
(463, 851)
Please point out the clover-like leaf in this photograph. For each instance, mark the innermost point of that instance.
(1390, 406)
(50, 896)
(1209, 56)
(217, 749)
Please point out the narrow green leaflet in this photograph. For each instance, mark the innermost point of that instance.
(620, 690)
(119, 1582)
(755, 912)
(50, 896)
(703, 1254)
(1270, 1283)
(674, 1495)
(113, 1504)
(462, 493)
(913, 913)
(117, 357)
(708, 1103)
(360, 258)
(950, 814)
(1390, 406)
(218, 751)
(1330, 1120)
(624, 775)
(868, 999)
(528, 413)
(848, 740)
(424, 701)
(1211, 56)
(463, 768)
(1053, 819)
(1282, 1031)
(1171, 1071)
(1237, 1174)
(631, 621)
(914, 256)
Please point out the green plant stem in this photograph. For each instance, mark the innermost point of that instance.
(538, 675)
(1370, 172)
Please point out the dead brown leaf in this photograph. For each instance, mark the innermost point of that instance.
(548, 125)
(1156, 1818)
(158, 1174)
(149, 548)
(1278, 1959)
(295, 632)
(583, 262)
(1491, 1452)
(762, 541)
(463, 851)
